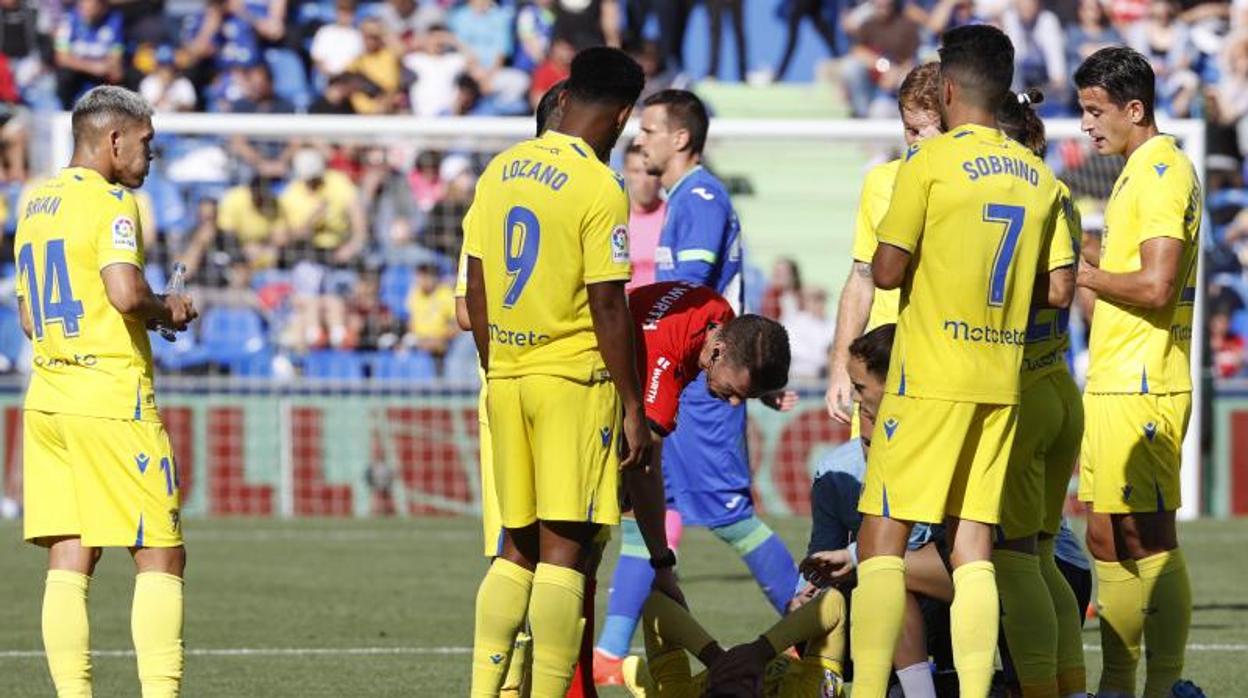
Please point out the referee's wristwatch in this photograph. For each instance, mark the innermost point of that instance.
(665, 560)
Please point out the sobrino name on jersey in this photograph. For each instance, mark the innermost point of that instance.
(514, 338)
(993, 165)
(962, 330)
(536, 170)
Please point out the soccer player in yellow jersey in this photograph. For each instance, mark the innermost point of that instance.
(966, 232)
(1139, 392)
(1041, 619)
(97, 465)
(861, 308)
(547, 247)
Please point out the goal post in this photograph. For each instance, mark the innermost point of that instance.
(786, 167)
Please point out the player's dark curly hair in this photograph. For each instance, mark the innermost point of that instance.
(684, 110)
(761, 345)
(875, 349)
(1124, 74)
(980, 59)
(1017, 117)
(546, 107)
(605, 75)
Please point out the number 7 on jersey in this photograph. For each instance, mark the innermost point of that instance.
(1011, 217)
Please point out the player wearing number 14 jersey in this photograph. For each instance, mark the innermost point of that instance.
(965, 235)
(97, 464)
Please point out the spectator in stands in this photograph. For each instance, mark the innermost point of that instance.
(370, 324)
(717, 9)
(783, 295)
(822, 14)
(323, 210)
(411, 19)
(484, 32)
(1039, 49)
(443, 232)
(1226, 347)
(1092, 33)
(646, 210)
(886, 40)
(221, 38)
(660, 75)
(336, 45)
(376, 72)
(14, 126)
(810, 334)
(20, 40)
(535, 25)
(950, 14)
(166, 88)
(336, 99)
(388, 202)
(425, 180)
(206, 255)
(1228, 100)
(431, 312)
(468, 99)
(556, 67)
(437, 62)
(269, 157)
(88, 50)
(252, 222)
(258, 96)
(586, 23)
(1166, 41)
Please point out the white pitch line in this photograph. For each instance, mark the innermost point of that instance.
(416, 651)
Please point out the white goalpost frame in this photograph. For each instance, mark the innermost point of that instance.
(1190, 131)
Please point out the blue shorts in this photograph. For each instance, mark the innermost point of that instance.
(706, 462)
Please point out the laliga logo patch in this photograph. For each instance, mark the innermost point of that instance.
(125, 234)
(619, 244)
(890, 427)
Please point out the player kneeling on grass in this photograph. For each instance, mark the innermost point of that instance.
(759, 668)
(97, 465)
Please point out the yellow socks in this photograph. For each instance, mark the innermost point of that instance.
(1028, 620)
(515, 683)
(822, 616)
(668, 626)
(973, 621)
(556, 623)
(66, 634)
(502, 604)
(1167, 596)
(877, 611)
(1120, 605)
(156, 626)
(1071, 674)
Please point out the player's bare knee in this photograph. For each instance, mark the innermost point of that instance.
(1147, 534)
(971, 542)
(1100, 538)
(170, 561)
(882, 536)
(566, 543)
(520, 546)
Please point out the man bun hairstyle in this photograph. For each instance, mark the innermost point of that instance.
(1017, 117)
(875, 349)
(1124, 74)
(684, 111)
(761, 346)
(980, 59)
(604, 75)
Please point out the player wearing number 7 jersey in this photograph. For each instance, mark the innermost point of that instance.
(547, 246)
(966, 233)
(97, 465)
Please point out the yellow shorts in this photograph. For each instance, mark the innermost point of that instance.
(555, 449)
(490, 522)
(1132, 448)
(1050, 424)
(783, 677)
(111, 482)
(932, 458)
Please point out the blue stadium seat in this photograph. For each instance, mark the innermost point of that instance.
(229, 334)
(256, 365)
(402, 366)
(1239, 323)
(172, 214)
(183, 354)
(333, 363)
(395, 282)
(12, 339)
(290, 80)
(460, 364)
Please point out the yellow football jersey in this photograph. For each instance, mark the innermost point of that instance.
(89, 359)
(1048, 329)
(1135, 350)
(548, 218)
(976, 210)
(877, 191)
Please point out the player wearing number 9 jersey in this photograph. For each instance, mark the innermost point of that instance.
(97, 464)
(547, 246)
(966, 232)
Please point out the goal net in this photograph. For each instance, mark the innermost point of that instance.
(318, 385)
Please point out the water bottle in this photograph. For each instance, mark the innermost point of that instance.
(176, 285)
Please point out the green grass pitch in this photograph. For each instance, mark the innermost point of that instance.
(384, 607)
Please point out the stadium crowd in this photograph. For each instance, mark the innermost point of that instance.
(336, 259)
